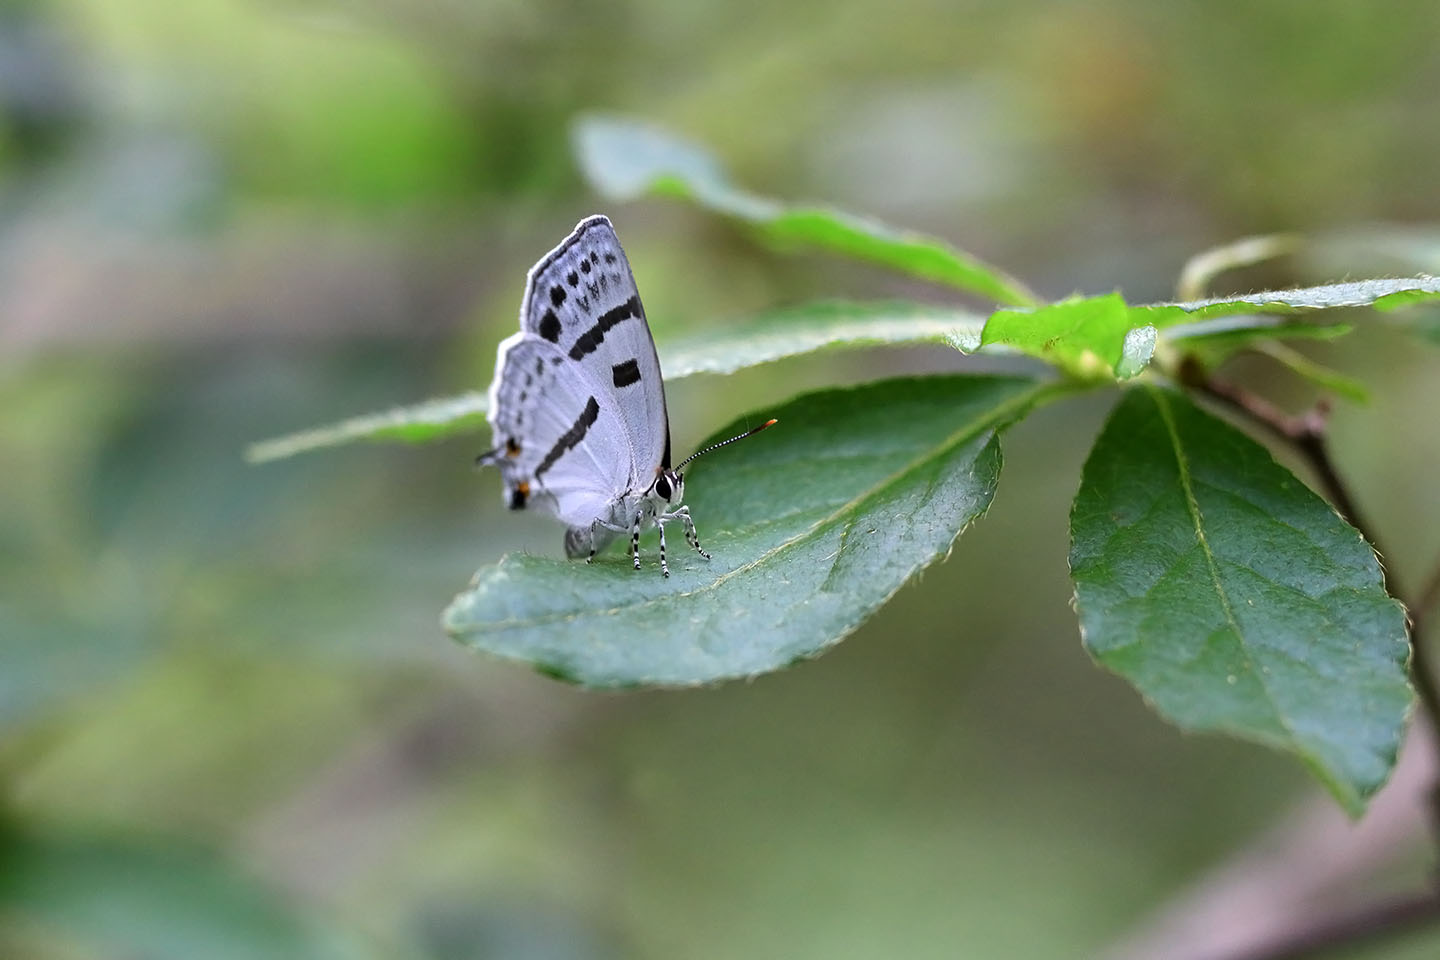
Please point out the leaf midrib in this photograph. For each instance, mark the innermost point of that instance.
(989, 418)
(1192, 505)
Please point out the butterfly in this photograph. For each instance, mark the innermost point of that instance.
(577, 406)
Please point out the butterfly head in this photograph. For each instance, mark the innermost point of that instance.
(669, 486)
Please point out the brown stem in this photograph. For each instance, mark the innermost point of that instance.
(1429, 594)
(1377, 923)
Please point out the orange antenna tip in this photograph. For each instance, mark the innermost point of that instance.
(722, 443)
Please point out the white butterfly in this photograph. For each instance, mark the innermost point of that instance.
(577, 406)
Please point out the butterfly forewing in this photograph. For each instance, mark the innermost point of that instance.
(582, 298)
(577, 407)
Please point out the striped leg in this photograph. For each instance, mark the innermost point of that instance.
(595, 526)
(691, 537)
(635, 539)
(664, 567)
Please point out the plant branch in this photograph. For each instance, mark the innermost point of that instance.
(1376, 923)
(1294, 875)
(1429, 595)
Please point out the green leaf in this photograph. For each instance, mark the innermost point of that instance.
(625, 159)
(421, 423)
(1317, 373)
(1234, 598)
(812, 526)
(1088, 337)
(817, 326)
(1230, 334)
(1091, 337)
(158, 900)
(1381, 294)
(769, 337)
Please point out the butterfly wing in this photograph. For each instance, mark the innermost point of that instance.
(577, 407)
(542, 420)
(582, 298)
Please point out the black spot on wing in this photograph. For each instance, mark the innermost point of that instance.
(570, 438)
(557, 295)
(591, 339)
(572, 278)
(626, 373)
(550, 330)
(584, 266)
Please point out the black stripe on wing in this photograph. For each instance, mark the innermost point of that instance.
(625, 374)
(572, 437)
(589, 341)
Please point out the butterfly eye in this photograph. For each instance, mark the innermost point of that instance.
(662, 487)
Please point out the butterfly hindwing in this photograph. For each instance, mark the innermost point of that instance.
(551, 434)
(582, 299)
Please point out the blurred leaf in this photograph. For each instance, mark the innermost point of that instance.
(812, 526)
(1234, 598)
(1211, 350)
(625, 159)
(1383, 248)
(773, 336)
(156, 900)
(421, 423)
(1229, 334)
(1205, 266)
(47, 660)
(1317, 373)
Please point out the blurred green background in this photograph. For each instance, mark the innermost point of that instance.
(230, 725)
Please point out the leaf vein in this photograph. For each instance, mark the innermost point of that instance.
(1193, 506)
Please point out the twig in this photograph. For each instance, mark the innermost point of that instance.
(1429, 595)
(1294, 875)
(1376, 923)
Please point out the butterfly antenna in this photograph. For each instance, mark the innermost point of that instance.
(717, 446)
